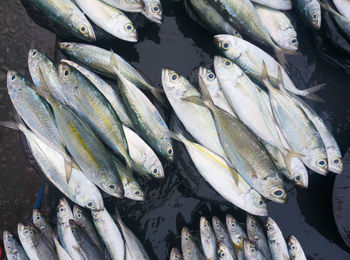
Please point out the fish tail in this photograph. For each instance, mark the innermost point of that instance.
(157, 93)
(266, 77)
(310, 92)
(176, 136)
(9, 124)
(289, 154)
(280, 54)
(205, 92)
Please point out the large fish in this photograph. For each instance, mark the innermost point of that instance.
(127, 5)
(249, 58)
(278, 246)
(13, 249)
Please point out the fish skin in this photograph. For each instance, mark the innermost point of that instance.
(251, 252)
(110, 234)
(222, 236)
(67, 15)
(343, 6)
(61, 252)
(275, 4)
(145, 116)
(211, 166)
(212, 18)
(277, 244)
(43, 226)
(13, 249)
(175, 254)
(208, 239)
(279, 27)
(81, 218)
(224, 253)
(190, 250)
(135, 6)
(212, 83)
(110, 19)
(34, 244)
(250, 59)
(153, 11)
(295, 250)
(310, 11)
(257, 236)
(237, 234)
(197, 120)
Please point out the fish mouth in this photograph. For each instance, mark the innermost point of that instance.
(219, 38)
(165, 74)
(336, 169)
(201, 73)
(63, 45)
(133, 37)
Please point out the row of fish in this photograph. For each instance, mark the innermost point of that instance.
(232, 242)
(106, 14)
(75, 237)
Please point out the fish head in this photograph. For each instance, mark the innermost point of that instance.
(313, 10)
(84, 28)
(232, 31)
(317, 161)
(78, 214)
(175, 254)
(335, 162)
(299, 172)
(186, 241)
(293, 246)
(69, 48)
(223, 252)
(94, 202)
(64, 213)
(226, 70)
(250, 250)
(68, 77)
(110, 183)
(37, 218)
(175, 84)
(154, 12)
(134, 191)
(253, 228)
(9, 240)
(255, 203)
(27, 233)
(272, 230)
(16, 84)
(275, 189)
(34, 58)
(288, 39)
(218, 227)
(235, 231)
(152, 165)
(229, 45)
(125, 29)
(205, 227)
(209, 79)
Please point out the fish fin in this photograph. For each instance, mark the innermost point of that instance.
(287, 157)
(234, 173)
(280, 54)
(195, 100)
(314, 97)
(311, 91)
(328, 8)
(266, 76)
(205, 92)
(68, 167)
(177, 136)
(117, 216)
(156, 92)
(9, 124)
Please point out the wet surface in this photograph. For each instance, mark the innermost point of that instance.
(183, 196)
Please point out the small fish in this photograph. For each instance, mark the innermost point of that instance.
(110, 234)
(61, 252)
(135, 247)
(81, 218)
(279, 27)
(13, 249)
(65, 14)
(310, 11)
(175, 254)
(295, 250)
(153, 10)
(343, 6)
(236, 232)
(212, 18)
(108, 18)
(275, 4)
(44, 227)
(211, 82)
(257, 236)
(249, 58)
(251, 252)
(34, 244)
(144, 115)
(224, 253)
(276, 240)
(222, 236)
(127, 6)
(190, 250)
(208, 239)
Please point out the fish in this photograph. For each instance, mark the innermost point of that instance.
(237, 234)
(245, 152)
(278, 246)
(221, 177)
(175, 254)
(251, 252)
(110, 233)
(85, 147)
(190, 250)
(52, 164)
(197, 119)
(153, 11)
(110, 94)
(86, 246)
(65, 14)
(34, 244)
(222, 236)
(64, 231)
(279, 27)
(134, 6)
(298, 130)
(135, 247)
(310, 11)
(61, 252)
(44, 227)
(295, 250)
(212, 84)
(132, 189)
(343, 6)
(342, 21)
(208, 239)
(276, 4)
(243, 16)
(110, 19)
(224, 253)
(81, 218)
(249, 58)
(98, 60)
(13, 249)
(212, 18)
(257, 236)
(144, 115)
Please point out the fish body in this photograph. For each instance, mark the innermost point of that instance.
(275, 4)
(189, 247)
(222, 236)
(310, 11)
(251, 252)
(44, 227)
(295, 250)
(224, 253)
(276, 241)
(127, 6)
(13, 249)
(175, 254)
(61, 252)
(153, 10)
(343, 6)
(208, 239)
(110, 19)
(237, 234)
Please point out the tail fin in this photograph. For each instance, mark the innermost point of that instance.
(266, 78)
(311, 91)
(205, 92)
(9, 124)
(178, 137)
(44, 90)
(280, 54)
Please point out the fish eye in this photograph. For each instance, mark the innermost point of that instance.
(38, 217)
(66, 73)
(10, 240)
(155, 170)
(315, 16)
(222, 254)
(170, 151)
(111, 186)
(270, 228)
(211, 76)
(293, 247)
(252, 250)
(156, 9)
(174, 76)
(137, 192)
(239, 237)
(34, 53)
(26, 232)
(205, 225)
(13, 77)
(90, 204)
(233, 224)
(298, 178)
(236, 33)
(278, 193)
(294, 41)
(261, 202)
(61, 209)
(79, 215)
(186, 239)
(337, 161)
(228, 63)
(252, 225)
(129, 27)
(67, 45)
(82, 29)
(225, 45)
(31, 232)
(322, 162)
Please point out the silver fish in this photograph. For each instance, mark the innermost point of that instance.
(208, 239)
(175, 254)
(153, 10)
(295, 250)
(43, 226)
(237, 234)
(311, 12)
(251, 252)
(13, 249)
(224, 253)
(128, 5)
(222, 236)
(343, 6)
(190, 250)
(276, 4)
(276, 241)
(61, 252)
